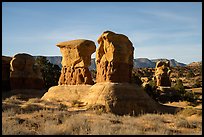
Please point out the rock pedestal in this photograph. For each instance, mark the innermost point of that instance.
(66, 93)
(76, 58)
(24, 73)
(162, 73)
(124, 99)
(114, 58)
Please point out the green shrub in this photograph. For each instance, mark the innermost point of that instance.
(175, 94)
(50, 72)
(136, 79)
(151, 90)
(181, 72)
(197, 84)
(190, 74)
(190, 96)
(179, 86)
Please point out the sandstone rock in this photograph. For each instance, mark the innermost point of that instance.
(24, 73)
(6, 73)
(145, 81)
(162, 73)
(66, 93)
(76, 58)
(114, 58)
(123, 98)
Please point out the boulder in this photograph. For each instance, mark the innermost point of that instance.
(162, 73)
(145, 81)
(123, 98)
(24, 73)
(6, 72)
(76, 58)
(114, 58)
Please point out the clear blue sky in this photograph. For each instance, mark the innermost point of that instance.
(156, 29)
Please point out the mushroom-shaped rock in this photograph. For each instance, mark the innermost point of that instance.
(24, 73)
(76, 58)
(114, 58)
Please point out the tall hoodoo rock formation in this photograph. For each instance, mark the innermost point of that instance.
(76, 58)
(24, 73)
(114, 58)
(162, 73)
(114, 90)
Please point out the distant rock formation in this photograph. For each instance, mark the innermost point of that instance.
(76, 58)
(24, 73)
(6, 73)
(137, 63)
(162, 73)
(173, 62)
(195, 64)
(114, 58)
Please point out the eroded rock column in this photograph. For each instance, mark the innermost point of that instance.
(114, 58)
(162, 73)
(76, 58)
(24, 73)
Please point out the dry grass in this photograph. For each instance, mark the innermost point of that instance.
(38, 117)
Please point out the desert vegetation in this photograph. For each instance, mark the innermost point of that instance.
(37, 117)
(50, 72)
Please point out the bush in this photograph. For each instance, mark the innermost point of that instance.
(175, 94)
(179, 86)
(190, 74)
(136, 79)
(152, 91)
(190, 96)
(181, 72)
(197, 84)
(50, 72)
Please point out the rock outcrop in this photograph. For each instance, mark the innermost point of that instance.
(162, 73)
(24, 73)
(113, 91)
(76, 58)
(66, 93)
(123, 99)
(6, 73)
(114, 58)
